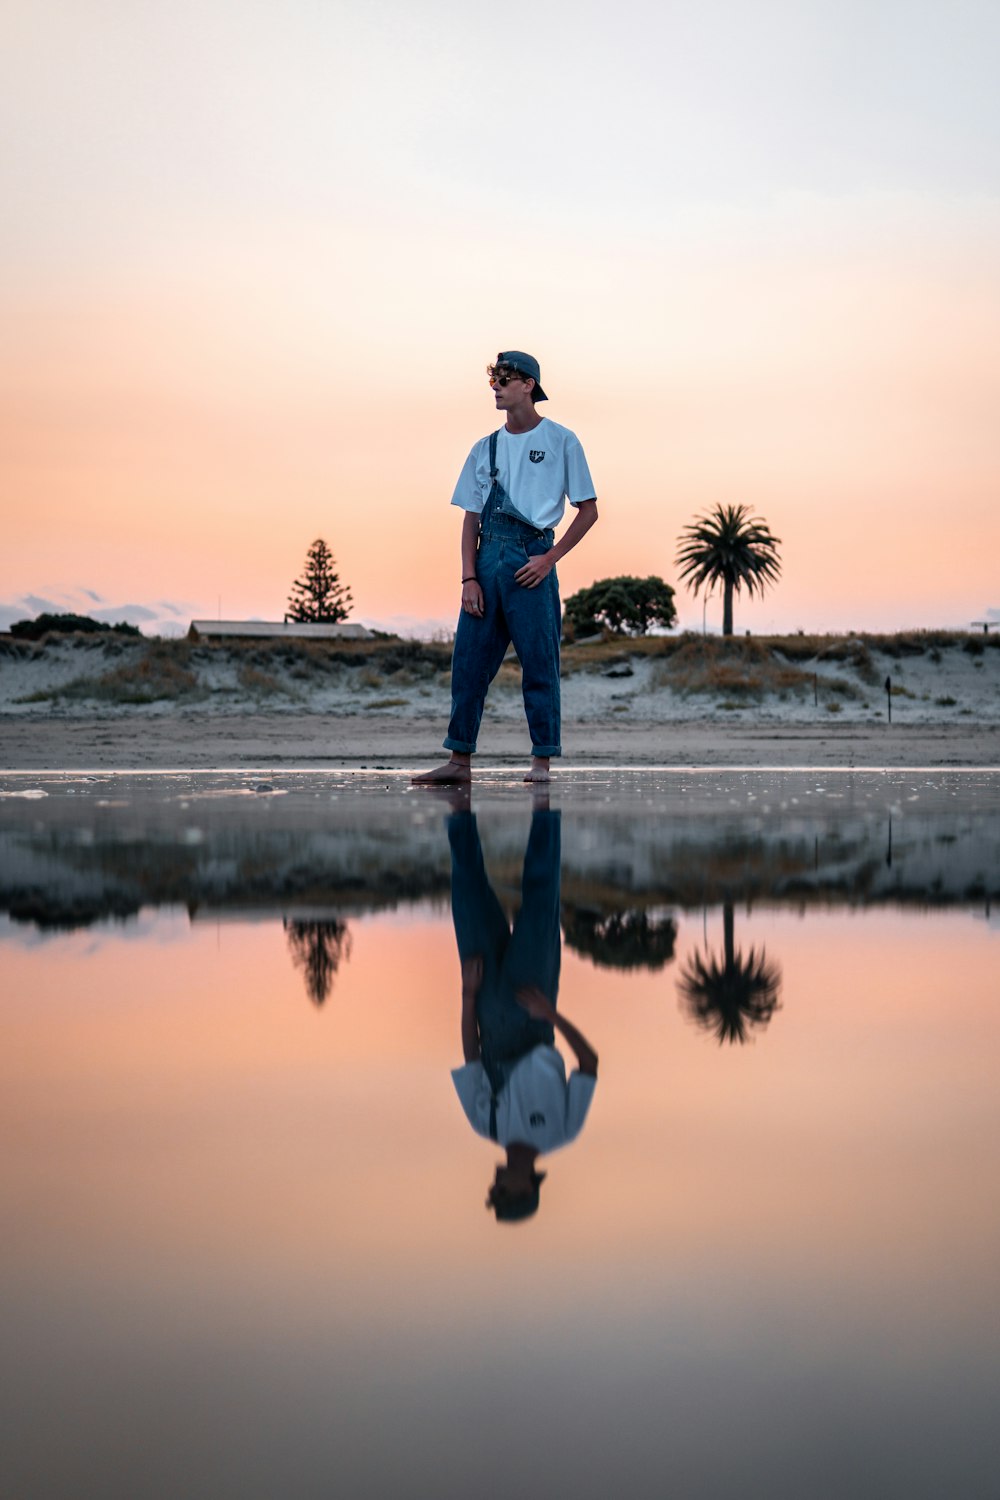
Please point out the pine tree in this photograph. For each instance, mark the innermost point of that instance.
(319, 597)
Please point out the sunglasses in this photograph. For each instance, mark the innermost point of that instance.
(506, 378)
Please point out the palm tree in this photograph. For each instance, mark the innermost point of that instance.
(727, 546)
(730, 996)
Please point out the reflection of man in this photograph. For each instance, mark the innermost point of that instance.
(513, 1085)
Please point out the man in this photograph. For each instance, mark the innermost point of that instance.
(513, 489)
(512, 1084)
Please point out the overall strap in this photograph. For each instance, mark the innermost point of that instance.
(496, 1071)
(494, 498)
(492, 502)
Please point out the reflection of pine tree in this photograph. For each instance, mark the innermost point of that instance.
(621, 939)
(734, 995)
(318, 948)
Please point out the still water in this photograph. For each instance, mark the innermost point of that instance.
(278, 1055)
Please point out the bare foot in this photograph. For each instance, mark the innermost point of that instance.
(538, 770)
(446, 775)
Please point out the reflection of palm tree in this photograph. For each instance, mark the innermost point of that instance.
(317, 948)
(727, 547)
(734, 995)
(630, 939)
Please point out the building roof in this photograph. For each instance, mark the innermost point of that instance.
(276, 629)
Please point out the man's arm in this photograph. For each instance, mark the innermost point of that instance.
(585, 1054)
(472, 978)
(537, 1005)
(472, 594)
(537, 568)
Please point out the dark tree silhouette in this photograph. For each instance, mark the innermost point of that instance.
(33, 630)
(621, 939)
(625, 603)
(318, 948)
(731, 996)
(319, 597)
(727, 547)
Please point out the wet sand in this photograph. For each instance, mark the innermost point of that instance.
(269, 740)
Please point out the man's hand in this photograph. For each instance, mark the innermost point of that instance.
(472, 599)
(536, 1004)
(535, 570)
(541, 1009)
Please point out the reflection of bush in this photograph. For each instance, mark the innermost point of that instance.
(731, 995)
(631, 939)
(317, 948)
(67, 913)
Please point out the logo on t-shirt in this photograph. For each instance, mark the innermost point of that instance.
(535, 1119)
(536, 455)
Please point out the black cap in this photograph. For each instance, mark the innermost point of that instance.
(524, 364)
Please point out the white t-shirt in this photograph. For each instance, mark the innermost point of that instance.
(537, 1105)
(540, 470)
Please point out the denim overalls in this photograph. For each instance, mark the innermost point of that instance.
(530, 618)
(525, 956)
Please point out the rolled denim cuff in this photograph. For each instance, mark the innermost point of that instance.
(462, 746)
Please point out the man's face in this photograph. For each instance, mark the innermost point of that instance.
(513, 1181)
(514, 1188)
(509, 388)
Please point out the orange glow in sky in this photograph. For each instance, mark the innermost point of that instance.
(257, 267)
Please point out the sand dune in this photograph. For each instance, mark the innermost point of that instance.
(105, 703)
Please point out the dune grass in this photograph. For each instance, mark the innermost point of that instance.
(154, 671)
(152, 674)
(750, 667)
(736, 670)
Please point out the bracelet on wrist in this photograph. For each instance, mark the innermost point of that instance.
(471, 579)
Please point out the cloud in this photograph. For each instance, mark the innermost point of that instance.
(159, 618)
(10, 614)
(34, 603)
(412, 628)
(134, 614)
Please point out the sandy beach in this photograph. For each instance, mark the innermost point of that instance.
(263, 741)
(118, 705)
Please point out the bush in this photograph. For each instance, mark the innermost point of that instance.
(33, 630)
(622, 604)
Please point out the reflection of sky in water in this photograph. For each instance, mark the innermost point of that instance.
(246, 1249)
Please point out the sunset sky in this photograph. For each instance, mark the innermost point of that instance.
(257, 256)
